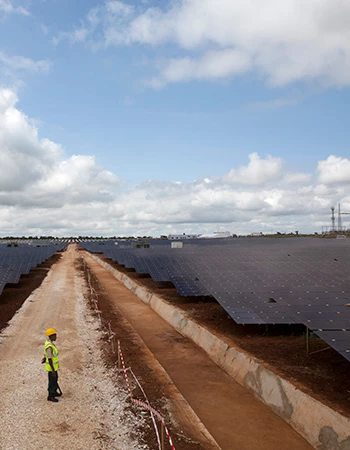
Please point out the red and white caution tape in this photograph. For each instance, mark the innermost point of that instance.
(151, 413)
(124, 369)
(156, 413)
(143, 404)
(111, 336)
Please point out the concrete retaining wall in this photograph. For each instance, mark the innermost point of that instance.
(324, 428)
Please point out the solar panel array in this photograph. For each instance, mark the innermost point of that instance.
(256, 280)
(16, 261)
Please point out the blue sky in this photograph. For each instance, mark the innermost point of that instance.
(158, 117)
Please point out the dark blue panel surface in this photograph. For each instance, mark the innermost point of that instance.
(18, 260)
(256, 280)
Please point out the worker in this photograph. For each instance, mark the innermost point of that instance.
(50, 360)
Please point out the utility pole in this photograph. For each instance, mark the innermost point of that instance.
(345, 213)
(340, 213)
(339, 219)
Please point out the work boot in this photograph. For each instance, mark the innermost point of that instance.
(51, 398)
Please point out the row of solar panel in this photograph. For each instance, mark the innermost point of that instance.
(256, 280)
(17, 261)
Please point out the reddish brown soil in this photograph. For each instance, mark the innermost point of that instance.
(135, 357)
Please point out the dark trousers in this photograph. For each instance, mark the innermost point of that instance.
(53, 385)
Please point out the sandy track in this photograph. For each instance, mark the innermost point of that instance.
(90, 415)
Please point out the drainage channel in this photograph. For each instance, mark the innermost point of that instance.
(230, 413)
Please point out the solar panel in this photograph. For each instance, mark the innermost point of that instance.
(261, 280)
(19, 260)
(338, 339)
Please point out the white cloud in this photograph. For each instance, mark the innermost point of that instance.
(7, 7)
(22, 156)
(105, 20)
(297, 178)
(258, 172)
(78, 180)
(273, 104)
(78, 35)
(44, 29)
(42, 191)
(118, 8)
(33, 171)
(21, 63)
(13, 69)
(212, 65)
(334, 170)
(285, 41)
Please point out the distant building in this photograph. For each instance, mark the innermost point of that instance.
(178, 237)
(216, 234)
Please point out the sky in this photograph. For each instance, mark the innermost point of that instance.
(158, 117)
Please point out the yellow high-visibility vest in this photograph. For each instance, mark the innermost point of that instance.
(54, 356)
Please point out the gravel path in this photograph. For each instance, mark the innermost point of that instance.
(90, 414)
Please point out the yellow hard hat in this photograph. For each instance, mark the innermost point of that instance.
(50, 331)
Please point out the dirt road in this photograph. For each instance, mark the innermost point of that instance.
(90, 415)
